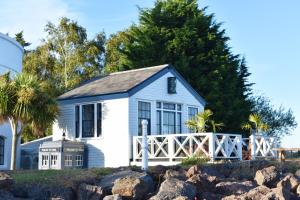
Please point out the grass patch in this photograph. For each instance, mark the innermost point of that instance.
(194, 160)
(66, 177)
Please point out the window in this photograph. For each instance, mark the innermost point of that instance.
(2, 140)
(78, 160)
(192, 111)
(45, 159)
(88, 123)
(168, 118)
(68, 160)
(53, 160)
(77, 121)
(144, 112)
(99, 119)
(88, 120)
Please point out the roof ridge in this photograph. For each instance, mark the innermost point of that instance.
(139, 69)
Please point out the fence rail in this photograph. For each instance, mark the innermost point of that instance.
(174, 147)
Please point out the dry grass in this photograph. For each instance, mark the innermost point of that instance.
(66, 178)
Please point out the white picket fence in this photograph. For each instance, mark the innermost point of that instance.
(170, 149)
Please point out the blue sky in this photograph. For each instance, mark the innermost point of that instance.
(265, 32)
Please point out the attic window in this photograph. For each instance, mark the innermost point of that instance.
(172, 85)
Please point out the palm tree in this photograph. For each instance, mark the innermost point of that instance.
(24, 102)
(202, 122)
(256, 123)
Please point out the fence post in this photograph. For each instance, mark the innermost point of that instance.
(171, 147)
(211, 146)
(252, 146)
(144, 145)
(240, 147)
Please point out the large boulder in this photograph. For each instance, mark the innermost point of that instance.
(134, 186)
(267, 176)
(113, 197)
(107, 182)
(172, 188)
(278, 193)
(203, 182)
(289, 182)
(229, 188)
(210, 196)
(157, 172)
(257, 193)
(178, 174)
(90, 192)
(6, 182)
(297, 173)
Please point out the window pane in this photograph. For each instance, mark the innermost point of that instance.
(178, 107)
(99, 119)
(144, 112)
(178, 123)
(1, 151)
(88, 120)
(158, 105)
(77, 121)
(170, 106)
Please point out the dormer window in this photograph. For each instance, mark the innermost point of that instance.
(172, 85)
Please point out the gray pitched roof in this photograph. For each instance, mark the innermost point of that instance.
(118, 82)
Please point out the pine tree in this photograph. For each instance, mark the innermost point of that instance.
(180, 33)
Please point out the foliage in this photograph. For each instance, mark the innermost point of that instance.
(197, 159)
(256, 123)
(281, 121)
(20, 38)
(23, 102)
(180, 33)
(202, 122)
(66, 57)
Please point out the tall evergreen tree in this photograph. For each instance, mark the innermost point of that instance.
(180, 33)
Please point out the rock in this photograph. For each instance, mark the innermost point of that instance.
(157, 172)
(203, 182)
(6, 195)
(193, 170)
(178, 174)
(255, 194)
(210, 196)
(172, 188)
(229, 188)
(289, 182)
(267, 176)
(181, 198)
(135, 186)
(298, 190)
(91, 192)
(277, 194)
(113, 197)
(297, 173)
(6, 182)
(107, 182)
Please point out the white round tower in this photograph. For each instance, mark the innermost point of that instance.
(11, 55)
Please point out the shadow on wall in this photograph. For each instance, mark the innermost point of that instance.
(66, 123)
(94, 156)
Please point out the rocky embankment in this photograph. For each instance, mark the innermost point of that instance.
(257, 180)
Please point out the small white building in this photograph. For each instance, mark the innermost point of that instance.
(106, 112)
(11, 54)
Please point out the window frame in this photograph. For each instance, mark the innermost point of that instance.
(2, 149)
(139, 119)
(68, 160)
(78, 162)
(190, 116)
(97, 117)
(169, 107)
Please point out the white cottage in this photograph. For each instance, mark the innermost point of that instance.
(106, 112)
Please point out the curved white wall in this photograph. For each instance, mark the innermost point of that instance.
(11, 54)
